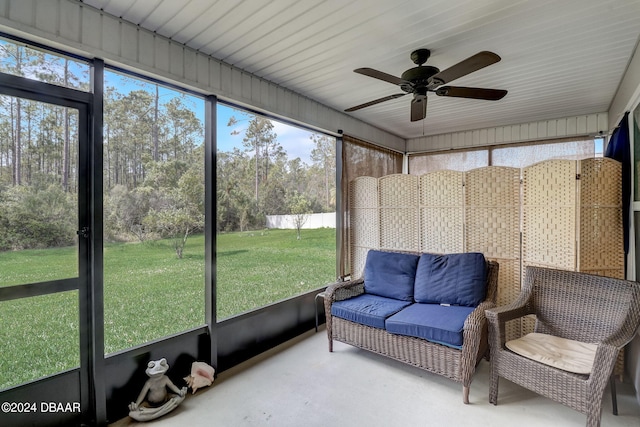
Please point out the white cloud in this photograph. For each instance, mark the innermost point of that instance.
(295, 141)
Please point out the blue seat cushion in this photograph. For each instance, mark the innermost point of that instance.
(366, 309)
(456, 279)
(390, 274)
(432, 322)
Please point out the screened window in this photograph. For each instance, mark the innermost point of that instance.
(48, 67)
(525, 155)
(458, 161)
(153, 176)
(38, 244)
(38, 191)
(513, 155)
(360, 158)
(276, 203)
(38, 337)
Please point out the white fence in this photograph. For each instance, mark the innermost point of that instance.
(317, 220)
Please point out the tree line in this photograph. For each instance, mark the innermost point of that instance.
(259, 179)
(153, 170)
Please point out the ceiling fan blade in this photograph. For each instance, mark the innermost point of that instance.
(418, 108)
(462, 68)
(471, 92)
(380, 75)
(374, 102)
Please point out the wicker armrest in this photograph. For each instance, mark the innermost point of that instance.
(344, 290)
(474, 331)
(502, 314)
(337, 292)
(475, 324)
(605, 353)
(497, 317)
(477, 318)
(625, 332)
(603, 363)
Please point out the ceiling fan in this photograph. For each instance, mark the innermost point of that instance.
(425, 78)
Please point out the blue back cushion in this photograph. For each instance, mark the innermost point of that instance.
(456, 279)
(390, 274)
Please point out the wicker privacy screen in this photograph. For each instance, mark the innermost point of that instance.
(558, 213)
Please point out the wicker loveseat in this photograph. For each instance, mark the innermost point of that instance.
(421, 309)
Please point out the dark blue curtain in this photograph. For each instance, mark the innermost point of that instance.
(619, 149)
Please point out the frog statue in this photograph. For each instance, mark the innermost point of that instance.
(158, 401)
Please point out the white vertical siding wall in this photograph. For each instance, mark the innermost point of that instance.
(84, 30)
(556, 128)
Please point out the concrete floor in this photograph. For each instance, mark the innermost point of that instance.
(301, 384)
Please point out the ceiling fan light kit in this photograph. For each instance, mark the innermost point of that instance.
(425, 78)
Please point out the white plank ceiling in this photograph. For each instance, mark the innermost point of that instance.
(560, 58)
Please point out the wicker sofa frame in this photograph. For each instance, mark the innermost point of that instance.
(572, 305)
(456, 364)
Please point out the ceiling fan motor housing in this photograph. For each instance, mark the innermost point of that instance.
(418, 77)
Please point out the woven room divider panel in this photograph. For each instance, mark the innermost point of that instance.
(549, 220)
(492, 227)
(364, 221)
(549, 214)
(600, 236)
(399, 213)
(442, 212)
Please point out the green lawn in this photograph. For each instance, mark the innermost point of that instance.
(150, 293)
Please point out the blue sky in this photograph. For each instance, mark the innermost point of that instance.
(295, 141)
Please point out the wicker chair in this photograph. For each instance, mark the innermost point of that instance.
(575, 306)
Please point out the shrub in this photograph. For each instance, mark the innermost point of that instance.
(34, 218)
